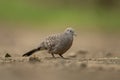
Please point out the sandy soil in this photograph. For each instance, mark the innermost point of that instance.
(93, 56)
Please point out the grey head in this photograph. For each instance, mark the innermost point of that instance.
(70, 31)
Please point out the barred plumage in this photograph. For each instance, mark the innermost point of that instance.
(56, 44)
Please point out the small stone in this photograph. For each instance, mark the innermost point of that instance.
(83, 65)
(109, 54)
(72, 54)
(34, 59)
(83, 52)
(7, 55)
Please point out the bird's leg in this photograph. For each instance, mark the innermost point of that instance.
(53, 55)
(61, 56)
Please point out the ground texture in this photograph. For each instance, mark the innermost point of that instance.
(93, 56)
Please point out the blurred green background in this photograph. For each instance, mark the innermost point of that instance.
(103, 14)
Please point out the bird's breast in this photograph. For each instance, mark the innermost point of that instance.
(65, 44)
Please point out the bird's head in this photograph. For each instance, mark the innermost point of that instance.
(70, 31)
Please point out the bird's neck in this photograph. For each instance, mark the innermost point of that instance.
(68, 35)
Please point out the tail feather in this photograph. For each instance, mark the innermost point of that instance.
(31, 52)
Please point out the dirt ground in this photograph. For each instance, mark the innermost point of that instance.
(93, 56)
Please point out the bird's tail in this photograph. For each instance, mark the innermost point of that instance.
(31, 52)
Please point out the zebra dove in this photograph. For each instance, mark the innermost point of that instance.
(56, 43)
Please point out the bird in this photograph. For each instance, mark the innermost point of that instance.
(56, 43)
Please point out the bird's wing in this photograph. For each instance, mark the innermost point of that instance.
(52, 40)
